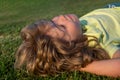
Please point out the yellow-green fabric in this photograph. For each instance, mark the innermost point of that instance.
(104, 24)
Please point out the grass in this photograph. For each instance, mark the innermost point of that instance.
(15, 14)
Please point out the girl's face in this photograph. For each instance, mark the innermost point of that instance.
(65, 27)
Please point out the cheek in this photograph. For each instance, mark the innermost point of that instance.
(74, 31)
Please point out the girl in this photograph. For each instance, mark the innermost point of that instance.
(66, 43)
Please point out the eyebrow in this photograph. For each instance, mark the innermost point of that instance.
(58, 26)
(53, 23)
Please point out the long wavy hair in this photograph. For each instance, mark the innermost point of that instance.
(43, 55)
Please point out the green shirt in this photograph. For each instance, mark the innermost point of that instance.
(104, 24)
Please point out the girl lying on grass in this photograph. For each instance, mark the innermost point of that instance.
(66, 43)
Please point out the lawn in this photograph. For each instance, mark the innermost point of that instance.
(15, 14)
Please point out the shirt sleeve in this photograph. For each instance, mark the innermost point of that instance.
(111, 49)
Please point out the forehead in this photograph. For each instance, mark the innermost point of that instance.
(46, 24)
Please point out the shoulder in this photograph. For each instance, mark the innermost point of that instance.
(116, 54)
